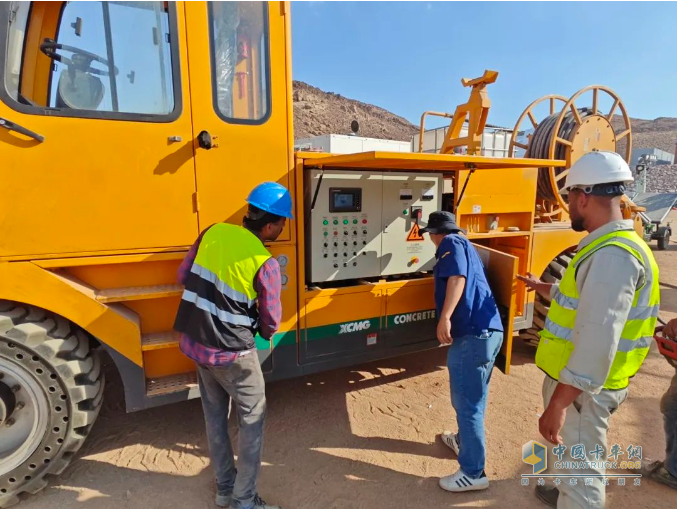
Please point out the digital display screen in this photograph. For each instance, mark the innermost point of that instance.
(344, 200)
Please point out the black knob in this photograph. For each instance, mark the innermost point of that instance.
(345, 243)
(345, 254)
(335, 254)
(325, 255)
(335, 244)
(345, 232)
(355, 243)
(355, 263)
(204, 140)
(355, 253)
(324, 245)
(364, 232)
(355, 232)
(364, 243)
(336, 265)
(345, 264)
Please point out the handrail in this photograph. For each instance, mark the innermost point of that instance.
(423, 120)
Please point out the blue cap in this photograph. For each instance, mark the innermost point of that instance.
(272, 198)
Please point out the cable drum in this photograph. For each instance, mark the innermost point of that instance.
(540, 142)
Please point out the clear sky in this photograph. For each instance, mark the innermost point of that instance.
(409, 57)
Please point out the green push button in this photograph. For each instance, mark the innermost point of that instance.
(404, 211)
(326, 234)
(355, 222)
(325, 222)
(336, 222)
(345, 222)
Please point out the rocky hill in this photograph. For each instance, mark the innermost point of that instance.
(317, 113)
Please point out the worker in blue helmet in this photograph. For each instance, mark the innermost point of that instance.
(232, 289)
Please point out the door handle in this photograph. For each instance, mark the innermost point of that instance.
(13, 126)
(207, 141)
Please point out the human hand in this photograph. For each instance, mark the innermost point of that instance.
(443, 331)
(531, 281)
(550, 424)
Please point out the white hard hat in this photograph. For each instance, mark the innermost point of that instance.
(598, 167)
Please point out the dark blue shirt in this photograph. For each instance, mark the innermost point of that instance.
(477, 309)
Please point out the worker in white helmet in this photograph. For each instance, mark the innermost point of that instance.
(597, 333)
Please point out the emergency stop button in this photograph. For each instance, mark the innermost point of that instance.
(414, 260)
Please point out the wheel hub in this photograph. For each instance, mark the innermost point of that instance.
(7, 403)
(24, 413)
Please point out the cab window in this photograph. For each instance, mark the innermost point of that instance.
(240, 61)
(105, 59)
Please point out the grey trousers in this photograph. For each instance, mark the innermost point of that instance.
(586, 422)
(668, 409)
(242, 383)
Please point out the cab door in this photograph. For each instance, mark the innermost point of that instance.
(97, 151)
(239, 71)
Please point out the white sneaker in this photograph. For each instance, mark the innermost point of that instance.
(451, 440)
(459, 482)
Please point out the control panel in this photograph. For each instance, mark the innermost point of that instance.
(365, 224)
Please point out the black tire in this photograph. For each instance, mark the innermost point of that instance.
(553, 274)
(664, 238)
(54, 358)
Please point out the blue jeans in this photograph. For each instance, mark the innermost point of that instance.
(470, 360)
(242, 384)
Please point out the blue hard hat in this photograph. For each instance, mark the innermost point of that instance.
(272, 198)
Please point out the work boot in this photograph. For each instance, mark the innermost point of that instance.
(655, 470)
(548, 494)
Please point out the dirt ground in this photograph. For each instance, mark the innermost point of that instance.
(364, 437)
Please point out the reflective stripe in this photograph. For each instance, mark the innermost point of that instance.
(566, 301)
(643, 312)
(208, 306)
(625, 345)
(221, 285)
(557, 330)
(630, 345)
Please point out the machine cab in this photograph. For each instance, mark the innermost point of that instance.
(135, 125)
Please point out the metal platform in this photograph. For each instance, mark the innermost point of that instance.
(657, 205)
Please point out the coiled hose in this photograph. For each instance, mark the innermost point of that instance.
(539, 147)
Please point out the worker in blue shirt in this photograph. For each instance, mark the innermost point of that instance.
(469, 323)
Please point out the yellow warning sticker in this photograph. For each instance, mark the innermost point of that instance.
(414, 234)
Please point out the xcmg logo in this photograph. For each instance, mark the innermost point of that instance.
(352, 327)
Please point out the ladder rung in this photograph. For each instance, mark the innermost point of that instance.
(136, 293)
(172, 384)
(163, 340)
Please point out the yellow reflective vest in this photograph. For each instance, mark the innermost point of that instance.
(555, 345)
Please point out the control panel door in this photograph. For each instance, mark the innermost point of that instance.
(343, 233)
(501, 269)
(407, 200)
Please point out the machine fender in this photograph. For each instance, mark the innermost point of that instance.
(116, 327)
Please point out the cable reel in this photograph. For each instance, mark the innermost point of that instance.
(568, 134)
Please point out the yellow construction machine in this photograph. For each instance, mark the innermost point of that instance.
(129, 127)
